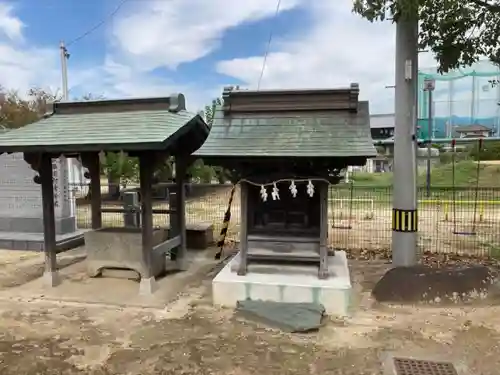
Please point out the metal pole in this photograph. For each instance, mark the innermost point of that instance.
(65, 94)
(64, 70)
(429, 86)
(452, 109)
(473, 101)
(429, 147)
(498, 102)
(404, 237)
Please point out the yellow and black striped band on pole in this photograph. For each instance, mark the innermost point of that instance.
(404, 220)
(227, 219)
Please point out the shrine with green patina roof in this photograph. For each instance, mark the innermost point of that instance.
(290, 123)
(285, 148)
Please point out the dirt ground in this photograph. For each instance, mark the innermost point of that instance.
(189, 336)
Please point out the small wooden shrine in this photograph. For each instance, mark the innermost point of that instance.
(284, 148)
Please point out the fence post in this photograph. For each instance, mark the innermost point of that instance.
(173, 228)
(131, 216)
(172, 204)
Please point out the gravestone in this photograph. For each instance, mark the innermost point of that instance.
(21, 217)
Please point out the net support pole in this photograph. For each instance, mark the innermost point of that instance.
(498, 102)
(451, 111)
(405, 218)
(473, 100)
(429, 147)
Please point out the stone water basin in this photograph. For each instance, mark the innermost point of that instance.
(121, 249)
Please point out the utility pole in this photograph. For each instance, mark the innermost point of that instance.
(429, 86)
(65, 97)
(64, 70)
(405, 218)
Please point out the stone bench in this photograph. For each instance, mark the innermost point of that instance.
(199, 236)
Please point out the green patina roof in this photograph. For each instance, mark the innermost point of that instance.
(322, 123)
(132, 124)
(303, 134)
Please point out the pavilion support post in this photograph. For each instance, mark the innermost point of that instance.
(91, 162)
(181, 165)
(148, 283)
(323, 231)
(243, 266)
(50, 275)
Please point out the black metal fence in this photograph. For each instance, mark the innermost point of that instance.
(460, 220)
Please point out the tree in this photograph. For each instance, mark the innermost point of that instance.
(201, 173)
(121, 168)
(16, 111)
(210, 109)
(458, 32)
(222, 175)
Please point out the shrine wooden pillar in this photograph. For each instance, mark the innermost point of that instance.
(181, 165)
(92, 163)
(323, 231)
(243, 266)
(146, 169)
(50, 275)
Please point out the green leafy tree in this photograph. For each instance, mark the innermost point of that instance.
(17, 111)
(121, 168)
(201, 173)
(459, 33)
(222, 175)
(210, 109)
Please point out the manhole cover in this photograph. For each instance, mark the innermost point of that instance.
(406, 366)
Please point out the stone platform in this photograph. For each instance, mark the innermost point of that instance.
(34, 241)
(77, 287)
(286, 284)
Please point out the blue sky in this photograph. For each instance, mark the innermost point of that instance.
(156, 47)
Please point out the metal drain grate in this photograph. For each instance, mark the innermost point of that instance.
(407, 366)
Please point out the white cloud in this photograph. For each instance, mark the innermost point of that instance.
(168, 33)
(10, 25)
(117, 80)
(339, 48)
(22, 66)
(153, 34)
(333, 49)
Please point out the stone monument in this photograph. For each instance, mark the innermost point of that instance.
(21, 223)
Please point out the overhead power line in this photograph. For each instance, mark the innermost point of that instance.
(268, 46)
(105, 20)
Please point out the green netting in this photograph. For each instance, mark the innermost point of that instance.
(462, 97)
(479, 69)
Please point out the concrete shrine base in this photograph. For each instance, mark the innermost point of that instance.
(286, 284)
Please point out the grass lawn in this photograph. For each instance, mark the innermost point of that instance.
(441, 176)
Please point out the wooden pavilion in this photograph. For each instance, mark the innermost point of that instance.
(151, 129)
